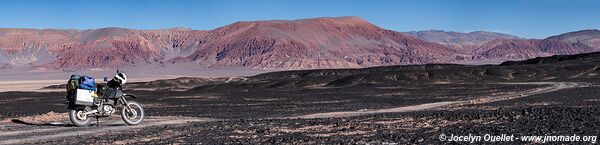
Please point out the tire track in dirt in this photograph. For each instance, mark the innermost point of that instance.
(34, 134)
(555, 86)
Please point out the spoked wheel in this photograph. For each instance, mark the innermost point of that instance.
(78, 118)
(133, 113)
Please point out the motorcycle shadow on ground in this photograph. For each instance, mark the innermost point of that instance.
(58, 124)
(18, 121)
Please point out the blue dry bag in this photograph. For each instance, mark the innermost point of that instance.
(87, 83)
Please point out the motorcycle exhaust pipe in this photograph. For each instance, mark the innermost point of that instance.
(90, 112)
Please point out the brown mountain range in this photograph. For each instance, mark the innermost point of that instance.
(340, 42)
(519, 49)
(449, 37)
(463, 43)
(588, 37)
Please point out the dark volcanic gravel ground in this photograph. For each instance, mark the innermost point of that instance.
(234, 103)
(576, 97)
(570, 113)
(15, 104)
(403, 128)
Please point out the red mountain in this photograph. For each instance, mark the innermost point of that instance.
(104, 48)
(461, 42)
(584, 41)
(587, 37)
(313, 43)
(519, 49)
(449, 37)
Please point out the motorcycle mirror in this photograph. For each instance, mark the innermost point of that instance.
(105, 79)
(118, 71)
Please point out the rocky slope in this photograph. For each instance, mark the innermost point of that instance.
(339, 42)
(313, 43)
(449, 37)
(588, 37)
(104, 48)
(461, 42)
(518, 49)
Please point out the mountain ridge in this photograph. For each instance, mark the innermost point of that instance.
(451, 37)
(312, 43)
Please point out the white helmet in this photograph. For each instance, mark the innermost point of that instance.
(121, 78)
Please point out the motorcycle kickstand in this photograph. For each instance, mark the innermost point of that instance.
(97, 122)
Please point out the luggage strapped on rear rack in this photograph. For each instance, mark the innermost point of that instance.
(81, 90)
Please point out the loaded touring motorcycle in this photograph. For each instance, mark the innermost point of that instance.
(85, 100)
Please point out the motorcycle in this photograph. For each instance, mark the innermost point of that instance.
(108, 98)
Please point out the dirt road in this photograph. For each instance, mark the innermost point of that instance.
(20, 132)
(555, 86)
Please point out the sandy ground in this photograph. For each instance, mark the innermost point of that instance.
(144, 71)
(37, 85)
(25, 79)
(27, 85)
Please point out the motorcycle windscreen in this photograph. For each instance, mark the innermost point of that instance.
(84, 97)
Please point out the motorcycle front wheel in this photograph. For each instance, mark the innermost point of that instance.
(78, 118)
(133, 116)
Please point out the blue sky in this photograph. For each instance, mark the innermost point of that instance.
(525, 18)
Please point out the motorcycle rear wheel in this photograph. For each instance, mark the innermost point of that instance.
(78, 119)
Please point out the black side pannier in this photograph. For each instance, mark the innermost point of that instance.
(112, 93)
